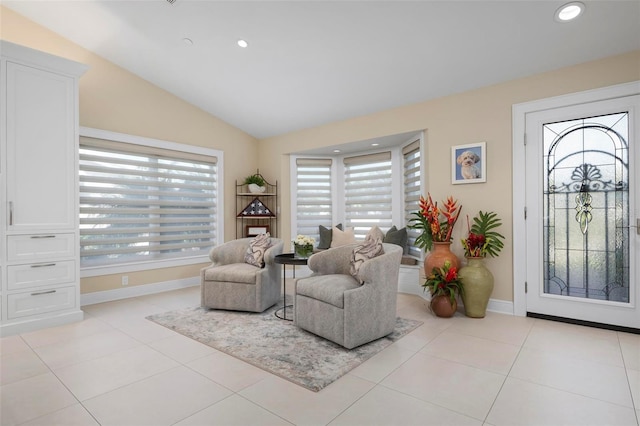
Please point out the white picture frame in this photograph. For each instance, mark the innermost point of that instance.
(468, 163)
(254, 230)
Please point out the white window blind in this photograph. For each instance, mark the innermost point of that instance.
(140, 203)
(368, 186)
(313, 195)
(411, 167)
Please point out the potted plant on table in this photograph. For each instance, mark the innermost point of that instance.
(303, 246)
(436, 225)
(444, 284)
(482, 240)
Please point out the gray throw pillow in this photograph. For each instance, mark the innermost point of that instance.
(326, 236)
(398, 237)
(255, 252)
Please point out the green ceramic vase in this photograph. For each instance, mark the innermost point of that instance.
(478, 285)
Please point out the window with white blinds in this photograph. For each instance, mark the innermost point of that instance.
(140, 203)
(367, 191)
(411, 185)
(313, 195)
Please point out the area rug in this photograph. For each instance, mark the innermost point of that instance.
(275, 345)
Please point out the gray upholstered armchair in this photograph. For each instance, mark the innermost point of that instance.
(333, 304)
(230, 283)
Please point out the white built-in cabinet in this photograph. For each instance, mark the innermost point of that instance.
(39, 248)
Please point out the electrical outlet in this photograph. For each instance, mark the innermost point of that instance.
(125, 280)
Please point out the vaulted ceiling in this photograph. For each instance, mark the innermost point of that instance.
(314, 62)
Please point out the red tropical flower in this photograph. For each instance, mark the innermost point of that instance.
(452, 274)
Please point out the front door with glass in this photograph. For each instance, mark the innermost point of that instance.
(582, 193)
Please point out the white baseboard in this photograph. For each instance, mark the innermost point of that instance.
(408, 282)
(28, 325)
(138, 290)
(501, 306)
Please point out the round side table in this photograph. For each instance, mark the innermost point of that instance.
(284, 260)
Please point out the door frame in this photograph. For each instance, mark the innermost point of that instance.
(519, 113)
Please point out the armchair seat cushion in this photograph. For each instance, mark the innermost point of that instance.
(233, 272)
(327, 288)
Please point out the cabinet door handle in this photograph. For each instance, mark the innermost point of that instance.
(10, 212)
(43, 236)
(43, 265)
(43, 292)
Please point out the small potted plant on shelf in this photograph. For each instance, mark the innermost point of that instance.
(444, 284)
(255, 183)
(482, 240)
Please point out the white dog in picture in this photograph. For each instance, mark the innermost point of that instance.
(468, 168)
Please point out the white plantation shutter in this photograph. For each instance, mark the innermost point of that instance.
(411, 185)
(141, 203)
(368, 186)
(313, 196)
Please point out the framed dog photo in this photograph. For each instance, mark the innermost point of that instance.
(468, 163)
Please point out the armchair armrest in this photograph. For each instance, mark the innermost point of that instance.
(276, 248)
(382, 268)
(331, 261)
(229, 252)
(234, 251)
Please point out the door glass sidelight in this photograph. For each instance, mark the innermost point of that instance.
(586, 208)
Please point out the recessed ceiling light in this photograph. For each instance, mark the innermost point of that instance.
(336, 150)
(569, 11)
(242, 43)
(187, 41)
(375, 144)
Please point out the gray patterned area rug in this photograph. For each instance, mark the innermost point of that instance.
(275, 345)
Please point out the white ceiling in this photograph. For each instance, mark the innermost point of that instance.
(314, 62)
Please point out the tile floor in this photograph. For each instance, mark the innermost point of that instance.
(117, 368)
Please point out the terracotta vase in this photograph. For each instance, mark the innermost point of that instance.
(439, 253)
(477, 281)
(442, 307)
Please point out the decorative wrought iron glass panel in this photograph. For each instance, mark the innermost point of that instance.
(586, 208)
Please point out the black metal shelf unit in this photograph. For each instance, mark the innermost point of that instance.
(256, 212)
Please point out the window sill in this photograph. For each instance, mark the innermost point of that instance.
(95, 271)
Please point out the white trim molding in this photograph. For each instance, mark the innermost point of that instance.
(519, 114)
(138, 290)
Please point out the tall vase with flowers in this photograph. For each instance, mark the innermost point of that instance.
(482, 240)
(444, 284)
(436, 225)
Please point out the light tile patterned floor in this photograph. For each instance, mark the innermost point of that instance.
(117, 368)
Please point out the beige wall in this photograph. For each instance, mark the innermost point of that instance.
(114, 99)
(475, 116)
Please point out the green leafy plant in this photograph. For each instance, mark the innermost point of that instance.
(256, 179)
(482, 239)
(444, 282)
